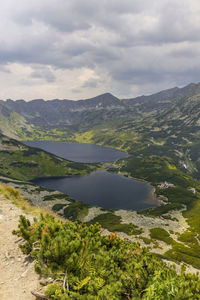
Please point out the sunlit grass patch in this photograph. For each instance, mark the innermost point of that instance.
(171, 167)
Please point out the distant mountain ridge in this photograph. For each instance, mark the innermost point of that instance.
(93, 111)
(61, 112)
(167, 118)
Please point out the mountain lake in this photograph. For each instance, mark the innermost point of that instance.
(79, 152)
(100, 188)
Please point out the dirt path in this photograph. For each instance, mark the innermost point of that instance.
(17, 275)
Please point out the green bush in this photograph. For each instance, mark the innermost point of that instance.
(86, 265)
(161, 234)
(58, 207)
(76, 210)
(188, 237)
(113, 224)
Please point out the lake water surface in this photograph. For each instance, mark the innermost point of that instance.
(79, 152)
(101, 188)
(104, 189)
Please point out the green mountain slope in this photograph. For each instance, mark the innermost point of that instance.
(25, 163)
(161, 131)
(12, 123)
(163, 124)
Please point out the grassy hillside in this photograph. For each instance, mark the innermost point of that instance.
(158, 170)
(25, 163)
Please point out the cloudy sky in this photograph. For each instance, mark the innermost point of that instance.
(75, 49)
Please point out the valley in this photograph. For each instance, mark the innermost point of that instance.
(100, 150)
(160, 132)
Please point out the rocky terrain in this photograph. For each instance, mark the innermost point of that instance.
(17, 276)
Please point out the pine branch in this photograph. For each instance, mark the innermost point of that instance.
(39, 295)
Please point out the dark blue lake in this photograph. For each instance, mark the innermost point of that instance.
(101, 188)
(104, 189)
(79, 152)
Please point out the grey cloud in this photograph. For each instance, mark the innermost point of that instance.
(44, 73)
(90, 84)
(76, 91)
(186, 52)
(174, 24)
(4, 69)
(137, 76)
(57, 14)
(190, 75)
(133, 42)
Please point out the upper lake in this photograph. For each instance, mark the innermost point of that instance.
(79, 152)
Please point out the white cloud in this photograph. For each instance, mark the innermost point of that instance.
(80, 48)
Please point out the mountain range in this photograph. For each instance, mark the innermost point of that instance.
(161, 132)
(56, 113)
(165, 124)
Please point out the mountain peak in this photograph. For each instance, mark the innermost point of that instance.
(104, 99)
